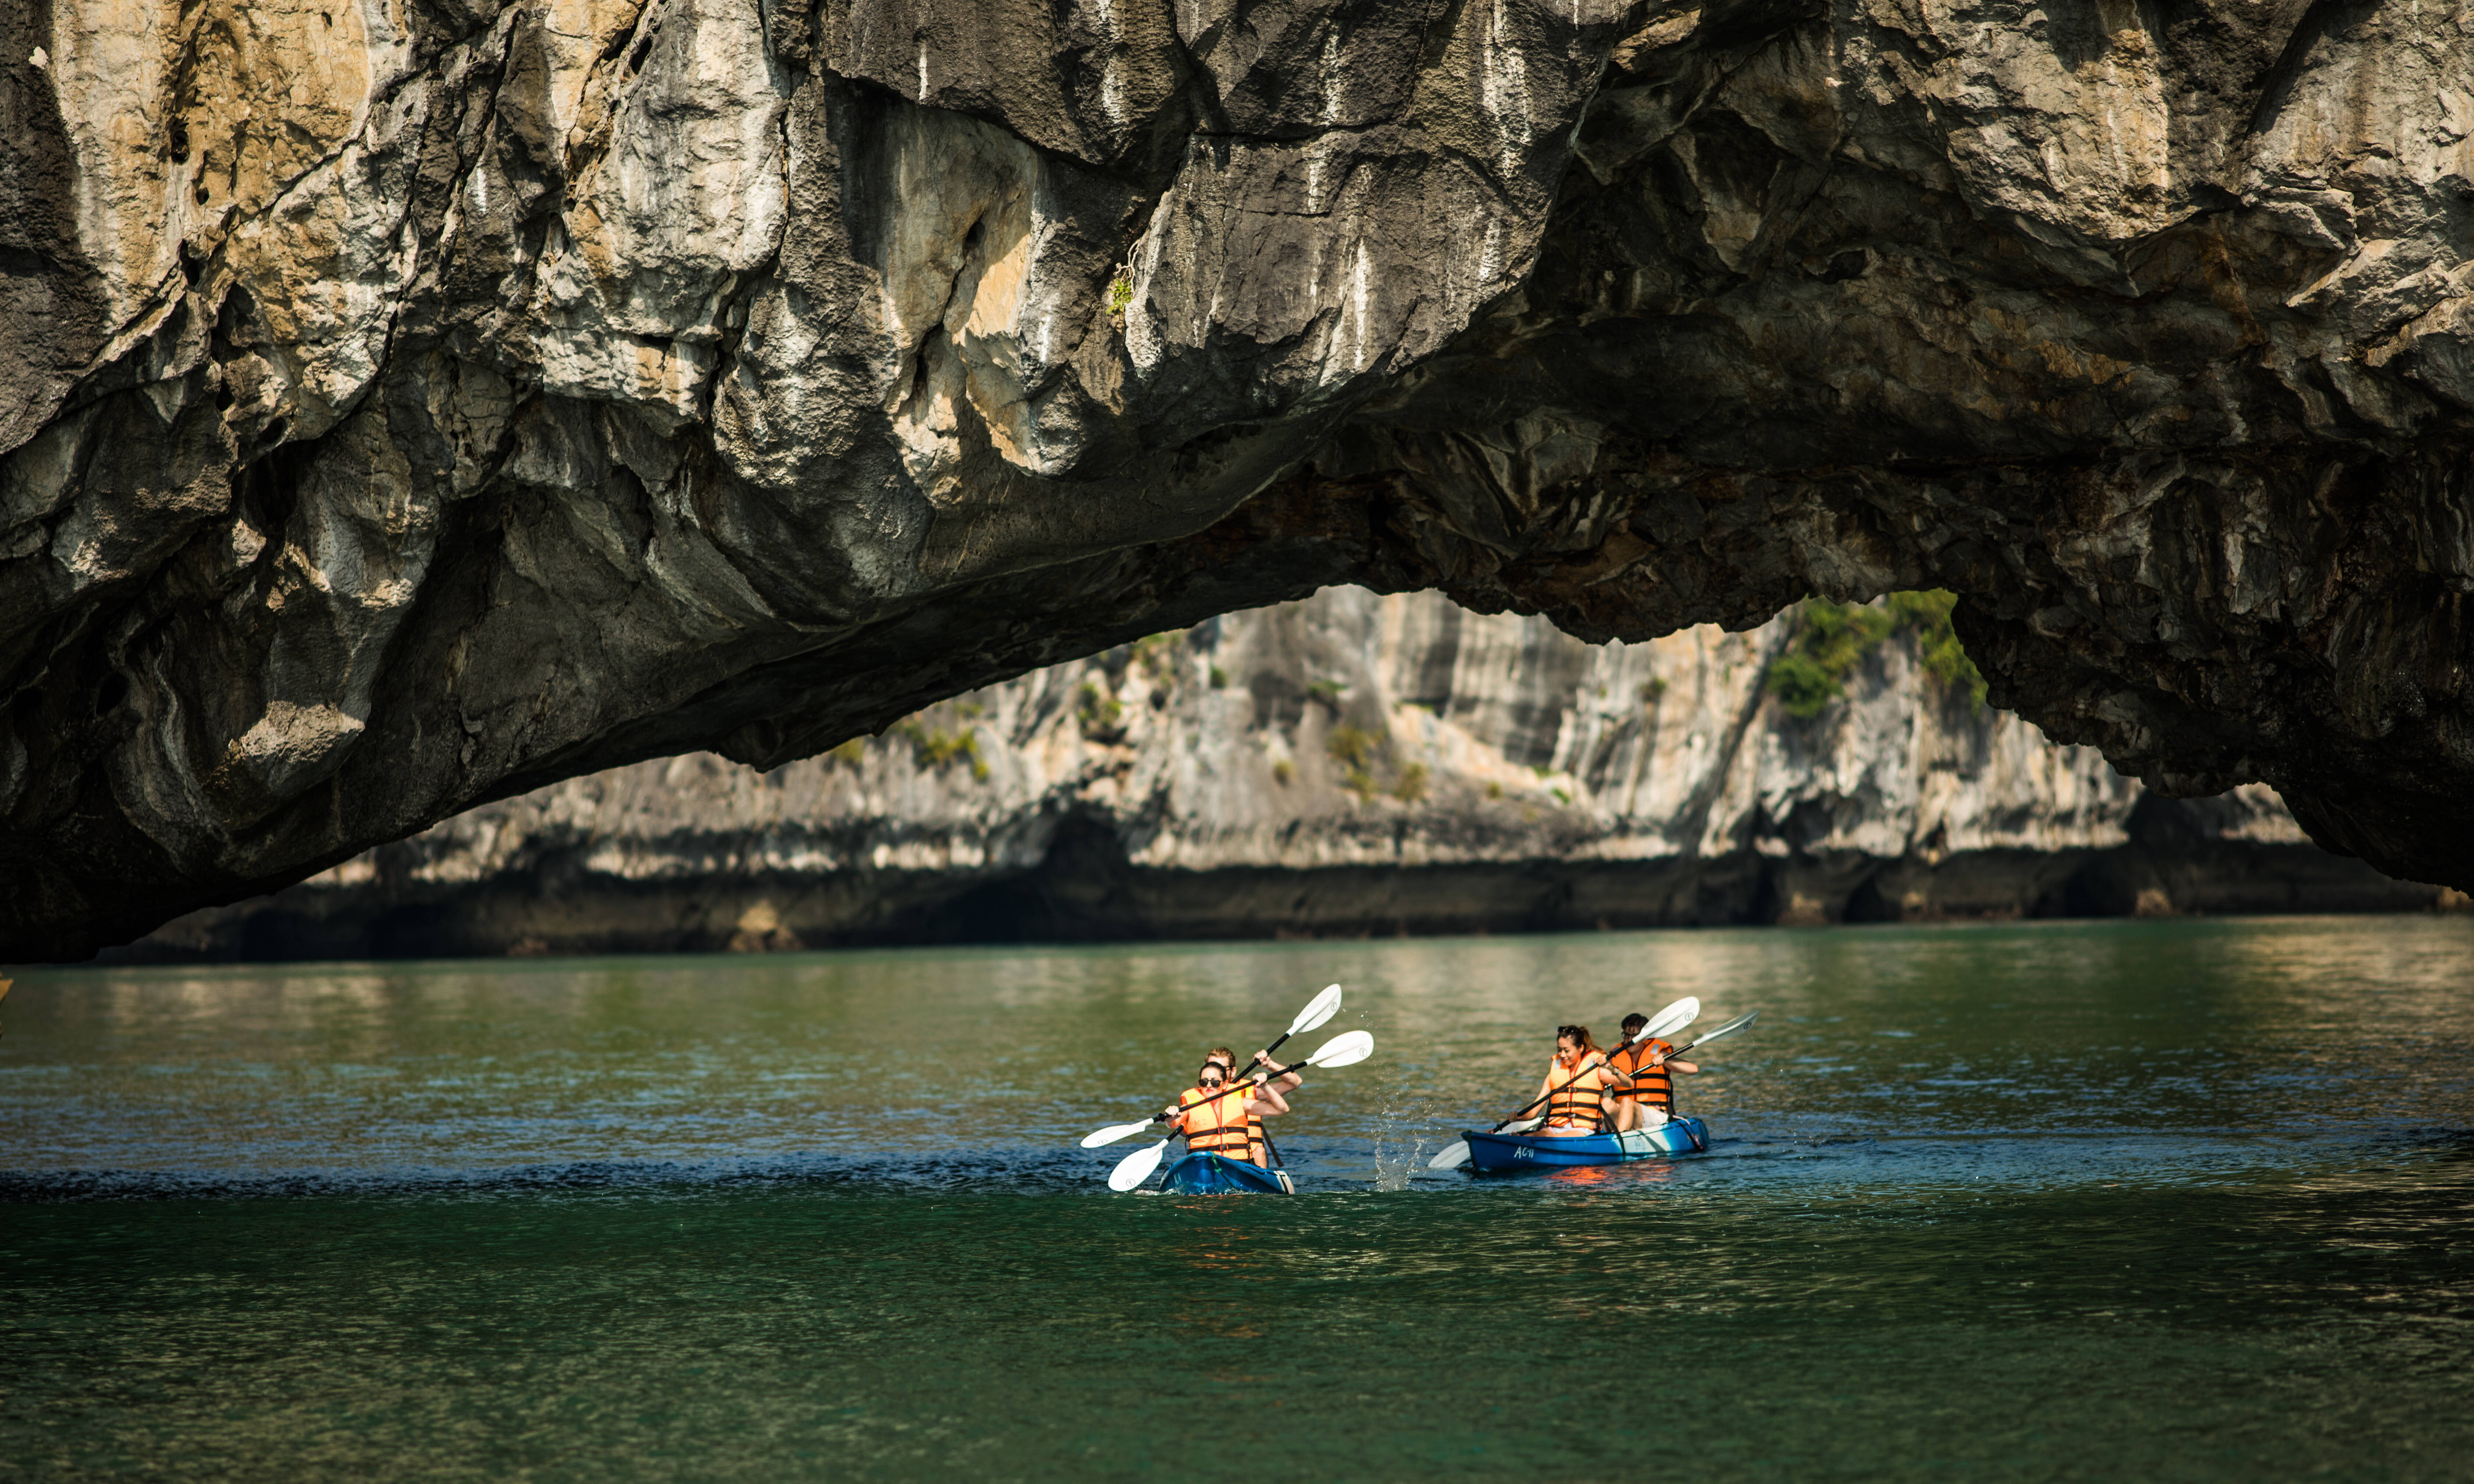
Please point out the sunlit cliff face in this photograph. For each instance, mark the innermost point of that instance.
(410, 404)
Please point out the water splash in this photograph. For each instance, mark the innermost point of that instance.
(1407, 1114)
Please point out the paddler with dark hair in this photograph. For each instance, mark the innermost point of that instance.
(1258, 1147)
(1638, 1075)
(1224, 1123)
(1575, 1090)
(1227, 1061)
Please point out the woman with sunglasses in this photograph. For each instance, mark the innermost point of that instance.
(1257, 1147)
(1223, 1125)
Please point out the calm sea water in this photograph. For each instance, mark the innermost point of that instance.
(2139, 1200)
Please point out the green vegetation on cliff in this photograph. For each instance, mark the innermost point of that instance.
(1832, 638)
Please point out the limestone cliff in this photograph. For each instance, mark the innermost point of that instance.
(1346, 764)
(409, 404)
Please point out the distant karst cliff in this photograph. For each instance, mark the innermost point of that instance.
(408, 406)
(1348, 764)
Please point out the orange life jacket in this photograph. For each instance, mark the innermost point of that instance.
(1582, 1102)
(1257, 1148)
(1651, 1085)
(1216, 1125)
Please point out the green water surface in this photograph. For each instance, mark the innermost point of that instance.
(2138, 1200)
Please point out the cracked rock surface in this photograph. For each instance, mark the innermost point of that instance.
(407, 405)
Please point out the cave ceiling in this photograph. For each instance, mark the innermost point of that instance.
(407, 405)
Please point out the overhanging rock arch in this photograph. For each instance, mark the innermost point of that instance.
(493, 393)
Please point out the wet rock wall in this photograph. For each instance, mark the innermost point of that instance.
(409, 405)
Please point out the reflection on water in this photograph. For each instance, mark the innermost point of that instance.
(2171, 1199)
(2119, 1030)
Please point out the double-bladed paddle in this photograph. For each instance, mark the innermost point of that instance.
(1674, 1017)
(1321, 1008)
(1345, 1049)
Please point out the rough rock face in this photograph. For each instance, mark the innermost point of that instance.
(1348, 764)
(405, 406)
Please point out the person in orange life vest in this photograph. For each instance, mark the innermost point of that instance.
(1575, 1088)
(1257, 1148)
(1226, 1061)
(1213, 1124)
(1284, 1082)
(1639, 1076)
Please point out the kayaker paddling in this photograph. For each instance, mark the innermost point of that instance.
(1227, 1061)
(1575, 1088)
(1258, 1144)
(1518, 1142)
(1640, 1076)
(1206, 1171)
(1225, 1126)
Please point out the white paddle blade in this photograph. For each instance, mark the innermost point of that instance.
(1526, 1125)
(1113, 1133)
(1674, 1017)
(1321, 1008)
(1728, 1029)
(1455, 1155)
(1136, 1167)
(1346, 1049)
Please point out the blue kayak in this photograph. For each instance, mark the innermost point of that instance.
(1215, 1174)
(1500, 1152)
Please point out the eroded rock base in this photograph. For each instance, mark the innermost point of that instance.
(1348, 764)
(1086, 892)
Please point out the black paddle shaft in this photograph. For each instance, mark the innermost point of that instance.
(1272, 1149)
(1232, 1072)
(1671, 1109)
(1277, 1071)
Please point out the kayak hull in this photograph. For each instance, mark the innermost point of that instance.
(1501, 1152)
(1213, 1174)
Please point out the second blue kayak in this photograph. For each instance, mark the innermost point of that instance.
(1500, 1152)
(1214, 1174)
